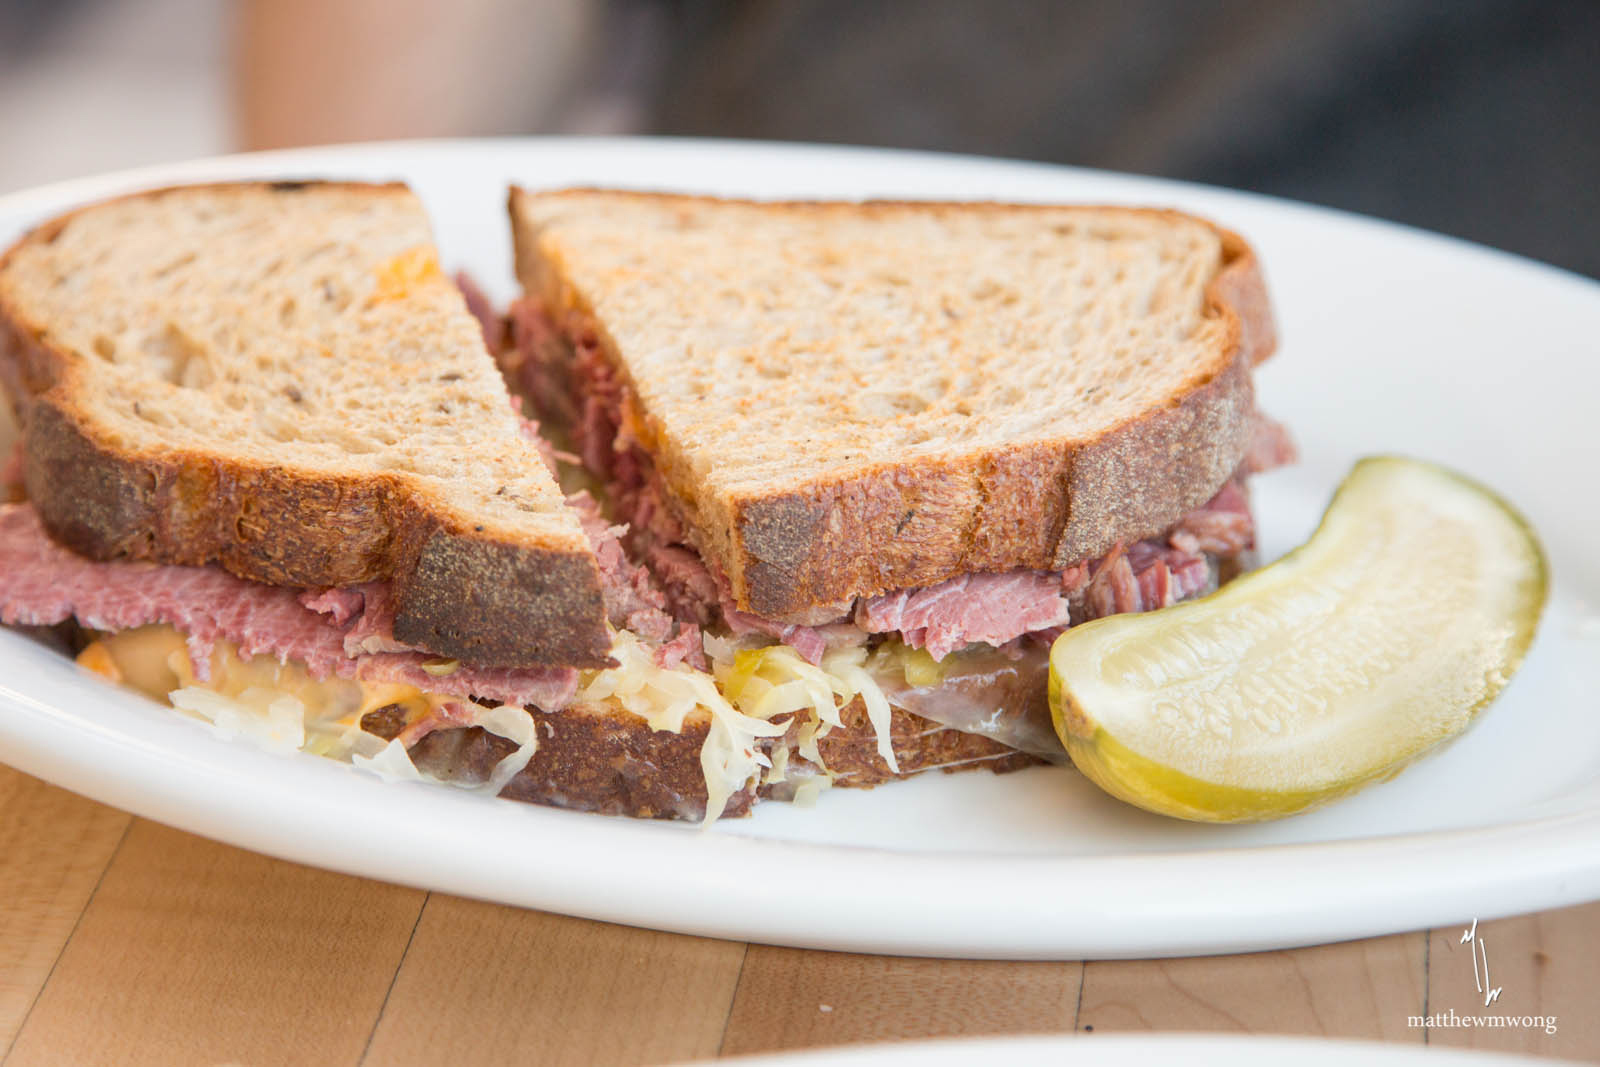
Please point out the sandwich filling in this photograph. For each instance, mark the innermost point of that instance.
(281, 706)
(344, 633)
(321, 670)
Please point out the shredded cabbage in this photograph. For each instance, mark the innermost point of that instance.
(731, 756)
(282, 722)
(719, 648)
(280, 707)
(847, 666)
(274, 721)
(805, 795)
(779, 771)
(392, 763)
(777, 680)
(515, 724)
(752, 695)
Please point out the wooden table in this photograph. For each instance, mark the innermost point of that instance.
(125, 942)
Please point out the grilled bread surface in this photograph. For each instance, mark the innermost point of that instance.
(848, 398)
(601, 758)
(277, 377)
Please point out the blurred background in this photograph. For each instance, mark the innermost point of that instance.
(1479, 118)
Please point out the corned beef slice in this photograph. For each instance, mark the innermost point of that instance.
(563, 366)
(482, 309)
(633, 599)
(42, 584)
(342, 604)
(991, 608)
(371, 606)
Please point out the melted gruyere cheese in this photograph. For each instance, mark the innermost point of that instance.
(281, 706)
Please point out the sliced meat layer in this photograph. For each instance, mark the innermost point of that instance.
(987, 608)
(633, 599)
(42, 584)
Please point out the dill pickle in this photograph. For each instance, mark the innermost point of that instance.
(1381, 638)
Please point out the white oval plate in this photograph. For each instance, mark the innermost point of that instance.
(1393, 341)
(1139, 1050)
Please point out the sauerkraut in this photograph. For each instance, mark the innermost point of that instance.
(753, 698)
(280, 707)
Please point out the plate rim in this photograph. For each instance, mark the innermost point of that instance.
(1116, 1048)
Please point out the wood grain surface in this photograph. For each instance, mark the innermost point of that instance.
(54, 846)
(125, 942)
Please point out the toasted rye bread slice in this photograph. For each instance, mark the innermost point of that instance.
(849, 398)
(600, 758)
(278, 377)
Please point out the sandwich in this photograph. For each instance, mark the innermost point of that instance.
(268, 469)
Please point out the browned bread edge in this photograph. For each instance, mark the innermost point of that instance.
(851, 753)
(601, 760)
(458, 593)
(1044, 505)
(608, 761)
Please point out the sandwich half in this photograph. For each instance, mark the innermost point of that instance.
(268, 470)
(936, 432)
(278, 379)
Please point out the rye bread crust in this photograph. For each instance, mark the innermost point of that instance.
(459, 592)
(599, 759)
(1042, 503)
(851, 754)
(595, 759)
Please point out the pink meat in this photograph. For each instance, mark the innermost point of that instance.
(806, 640)
(1074, 578)
(1114, 588)
(369, 611)
(994, 609)
(538, 362)
(11, 472)
(991, 608)
(540, 365)
(1222, 525)
(342, 604)
(690, 590)
(1165, 574)
(650, 515)
(42, 584)
(1270, 447)
(494, 330)
(685, 648)
(598, 431)
(374, 630)
(529, 428)
(633, 599)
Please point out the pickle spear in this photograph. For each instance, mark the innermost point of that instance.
(1379, 639)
